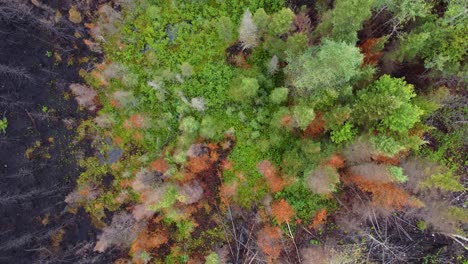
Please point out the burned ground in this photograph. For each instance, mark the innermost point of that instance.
(37, 155)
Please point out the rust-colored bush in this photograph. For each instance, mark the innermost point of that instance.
(275, 182)
(302, 22)
(282, 211)
(336, 161)
(160, 165)
(199, 164)
(384, 194)
(227, 192)
(138, 121)
(287, 121)
(268, 239)
(319, 218)
(371, 55)
(316, 127)
(146, 241)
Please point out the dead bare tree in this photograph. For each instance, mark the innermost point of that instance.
(21, 173)
(20, 13)
(35, 237)
(15, 72)
(35, 193)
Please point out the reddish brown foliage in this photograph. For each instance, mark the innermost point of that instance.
(115, 103)
(316, 127)
(138, 121)
(227, 192)
(302, 22)
(268, 170)
(395, 160)
(118, 140)
(336, 161)
(287, 121)
(198, 164)
(282, 211)
(371, 55)
(203, 162)
(147, 241)
(384, 194)
(268, 239)
(319, 219)
(137, 136)
(98, 76)
(159, 165)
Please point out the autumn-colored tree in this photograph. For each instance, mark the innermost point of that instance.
(138, 121)
(227, 192)
(336, 161)
(274, 181)
(160, 165)
(319, 218)
(371, 48)
(316, 127)
(268, 240)
(147, 241)
(282, 211)
(386, 195)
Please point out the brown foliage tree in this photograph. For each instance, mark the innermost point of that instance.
(268, 240)
(282, 211)
(371, 54)
(384, 194)
(274, 181)
(147, 241)
(319, 218)
(316, 127)
(160, 165)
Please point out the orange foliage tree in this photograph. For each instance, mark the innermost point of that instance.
(316, 127)
(147, 241)
(386, 195)
(159, 165)
(274, 181)
(371, 54)
(268, 239)
(282, 211)
(319, 218)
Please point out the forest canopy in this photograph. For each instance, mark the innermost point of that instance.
(236, 131)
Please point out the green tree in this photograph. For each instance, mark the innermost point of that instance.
(404, 10)
(281, 22)
(386, 104)
(279, 95)
(225, 28)
(189, 125)
(327, 67)
(442, 42)
(303, 115)
(211, 128)
(343, 134)
(246, 89)
(261, 20)
(297, 44)
(343, 21)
